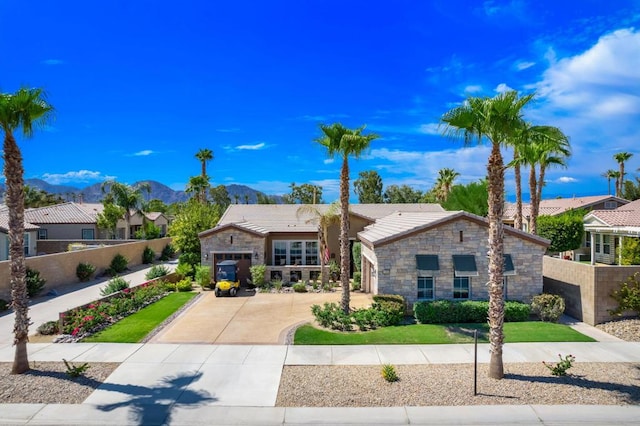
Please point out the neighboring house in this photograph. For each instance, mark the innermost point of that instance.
(557, 206)
(137, 219)
(606, 230)
(66, 221)
(277, 236)
(30, 235)
(443, 255)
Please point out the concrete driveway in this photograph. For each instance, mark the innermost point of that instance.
(261, 318)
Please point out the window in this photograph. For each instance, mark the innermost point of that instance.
(461, 288)
(276, 275)
(87, 234)
(295, 252)
(587, 239)
(311, 253)
(26, 244)
(597, 243)
(42, 234)
(610, 205)
(606, 244)
(425, 288)
(508, 265)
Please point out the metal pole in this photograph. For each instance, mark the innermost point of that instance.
(475, 363)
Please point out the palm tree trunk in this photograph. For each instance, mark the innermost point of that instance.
(539, 194)
(518, 177)
(495, 173)
(535, 203)
(621, 178)
(19, 297)
(344, 234)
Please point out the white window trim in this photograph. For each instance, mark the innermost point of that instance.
(288, 249)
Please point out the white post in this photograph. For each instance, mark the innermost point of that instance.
(593, 247)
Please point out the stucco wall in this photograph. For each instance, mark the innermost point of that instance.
(60, 269)
(396, 262)
(585, 288)
(60, 246)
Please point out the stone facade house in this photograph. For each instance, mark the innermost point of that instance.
(443, 255)
(283, 239)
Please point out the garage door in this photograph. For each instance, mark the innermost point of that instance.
(244, 263)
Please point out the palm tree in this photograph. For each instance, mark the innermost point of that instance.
(24, 110)
(324, 219)
(338, 140)
(494, 119)
(548, 147)
(204, 155)
(129, 198)
(197, 185)
(610, 174)
(444, 183)
(621, 157)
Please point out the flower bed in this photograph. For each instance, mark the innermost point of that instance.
(87, 319)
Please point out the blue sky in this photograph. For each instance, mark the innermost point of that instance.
(140, 86)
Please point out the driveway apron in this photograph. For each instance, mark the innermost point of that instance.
(262, 318)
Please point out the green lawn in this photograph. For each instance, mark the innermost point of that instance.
(531, 331)
(135, 327)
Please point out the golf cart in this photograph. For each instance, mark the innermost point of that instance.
(227, 280)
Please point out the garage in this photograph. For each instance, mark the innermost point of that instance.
(244, 263)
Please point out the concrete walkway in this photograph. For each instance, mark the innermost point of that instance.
(198, 384)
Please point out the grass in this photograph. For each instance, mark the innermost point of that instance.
(530, 331)
(135, 327)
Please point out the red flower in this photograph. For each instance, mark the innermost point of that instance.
(88, 318)
(75, 331)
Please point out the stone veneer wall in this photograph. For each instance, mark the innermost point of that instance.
(59, 269)
(585, 288)
(398, 258)
(243, 242)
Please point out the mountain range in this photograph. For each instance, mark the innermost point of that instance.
(94, 194)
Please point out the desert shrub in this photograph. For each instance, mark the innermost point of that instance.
(357, 281)
(156, 271)
(118, 265)
(389, 373)
(300, 287)
(560, 368)
(168, 252)
(4, 305)
(332, 316)
(35, 283)
(548, 307)
(168, 286)
(203, 276)
(148, 255)
(184, 270)
(184, 285)
(84, 271)
(334, 270)
(114, 285)
(75, 370)
(516, 311)
(49, 328)
(364, 318)
(627, 296)
(257, 275)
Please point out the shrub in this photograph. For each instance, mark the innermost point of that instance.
(156, 271)
(627, 296)
(114, 285)
(300, 287)
(168, 252)
(548, 307)
(4, 305)
(257, 275)
(389, 298)
(357, 281)
(387, 312)
(334, 270)
(356, 252)
(35, 283)
(560, 368)
(184, 270)
(168, 286)
(629, 251)
(566, 231)
(191, 259)
(389, 373)
(118, 265)
(148, 255)
(184, 285)
(516, 311)
(49, 328)
(332, 316)
(203, 276)
(75, 370)
(84, 271)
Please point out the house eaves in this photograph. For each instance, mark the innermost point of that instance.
(243, 226)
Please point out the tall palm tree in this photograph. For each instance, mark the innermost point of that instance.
(521, 137)
(621, 157)
(196, 185)
(610, 174)
(24, 110)
(204, 155)
(444, 183)
(493, 119)
(338, 140)
(129, 198)
(324, 219)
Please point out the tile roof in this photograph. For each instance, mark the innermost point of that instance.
(557, 206)
(64, 213)
(624, 216)
(266, 218)
(4, 223)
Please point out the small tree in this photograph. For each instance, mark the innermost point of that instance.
(566, 231)
(258, 275)
(630, 251)
(628, 296)
(356, 252)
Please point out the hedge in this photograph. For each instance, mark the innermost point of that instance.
(467, 311)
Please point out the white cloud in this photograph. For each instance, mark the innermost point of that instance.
(328, 160)
(523, 65)
(566, 179)
(473, 88)
(143, 153)
(253, 147)
(80, 176)
(502, 87)
(429, 129)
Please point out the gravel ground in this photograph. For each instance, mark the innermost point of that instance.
(626, 329)
(48, 383)
(452, 384)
